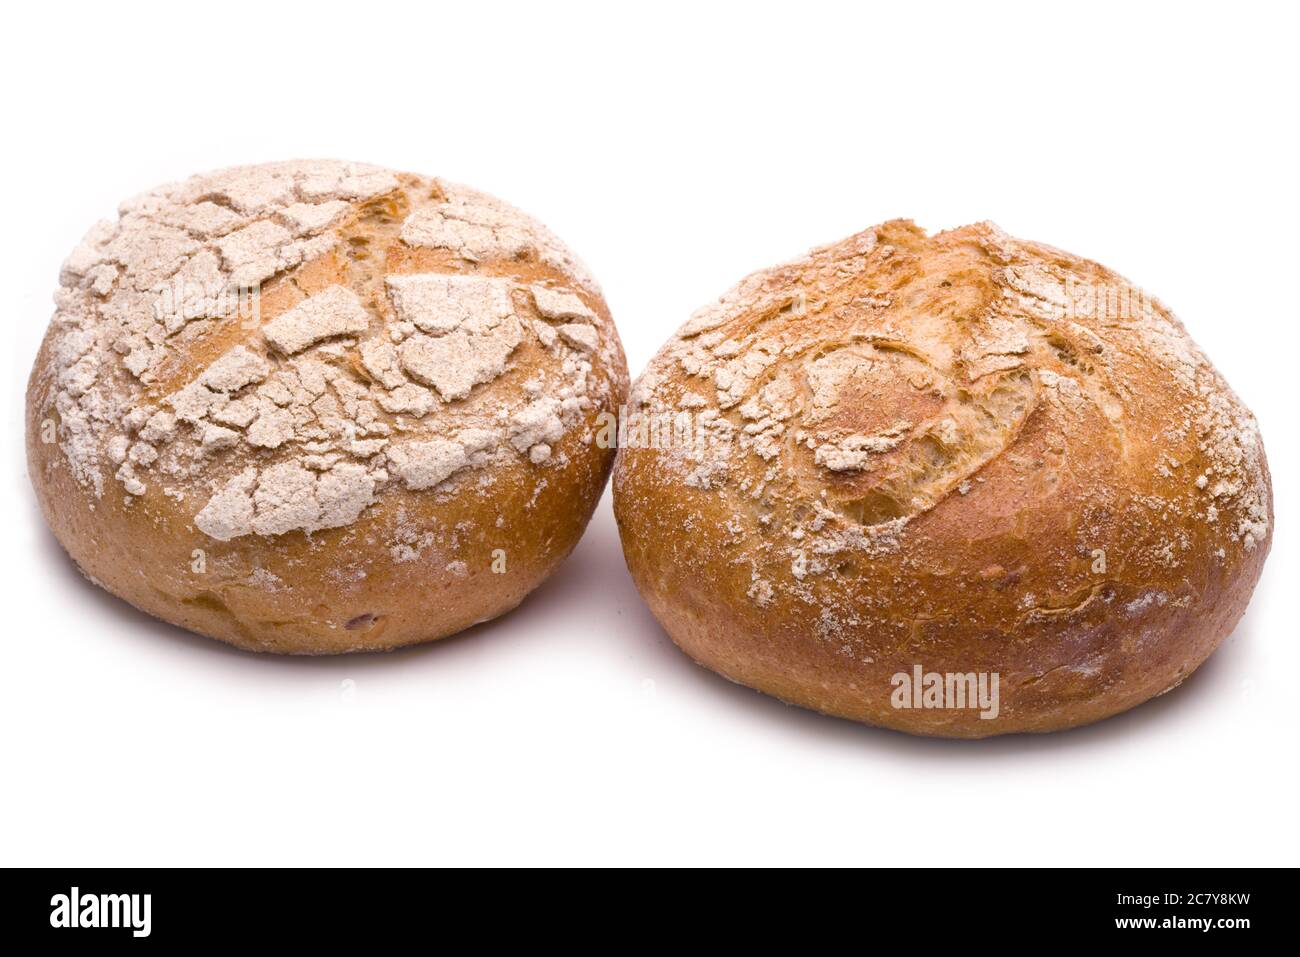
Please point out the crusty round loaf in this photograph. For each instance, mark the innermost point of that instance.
(318, 406)
(956, 485)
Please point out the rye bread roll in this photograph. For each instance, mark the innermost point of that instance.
(320, 407)
(907, 470)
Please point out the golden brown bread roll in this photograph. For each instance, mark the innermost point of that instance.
(318, 406)
(956, 485)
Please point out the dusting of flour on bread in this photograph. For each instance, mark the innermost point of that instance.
(850, 392)
(275, 346)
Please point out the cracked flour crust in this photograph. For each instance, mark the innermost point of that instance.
(284, 348)
(910, 448)
(293, 385)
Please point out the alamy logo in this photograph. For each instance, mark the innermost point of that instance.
(102, 910)
(930, 689)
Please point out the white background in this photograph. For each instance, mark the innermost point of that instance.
(676, 147)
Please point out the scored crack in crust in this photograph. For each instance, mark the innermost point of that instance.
(281, 348)
(907, 448)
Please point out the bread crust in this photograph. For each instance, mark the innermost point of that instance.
(963, 452)
(373, 459)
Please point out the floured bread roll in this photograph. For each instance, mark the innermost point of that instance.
(320, 407)
(957, 485)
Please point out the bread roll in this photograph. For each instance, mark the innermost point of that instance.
(906, 472)
(317, 407)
